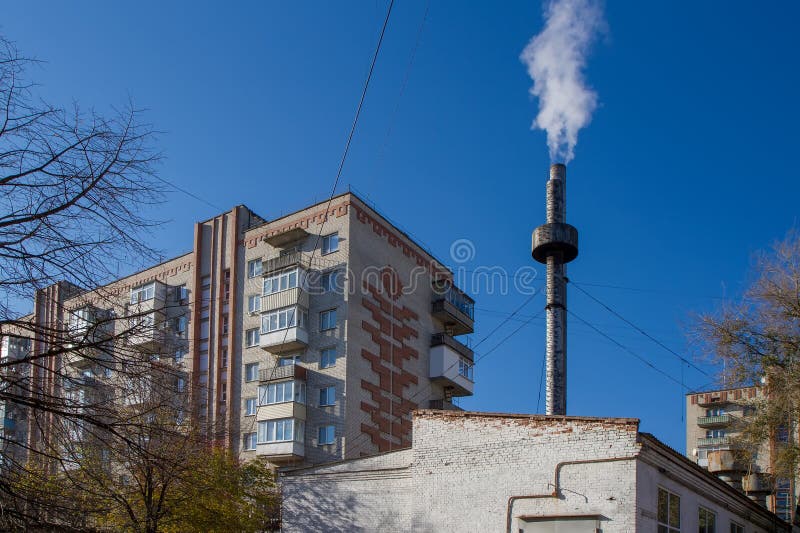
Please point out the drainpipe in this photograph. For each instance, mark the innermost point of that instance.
(556, 486)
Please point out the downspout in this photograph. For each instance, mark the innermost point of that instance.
(556, 487)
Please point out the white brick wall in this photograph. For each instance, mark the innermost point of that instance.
(464, 467)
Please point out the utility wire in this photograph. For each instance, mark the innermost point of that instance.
(188, 193)
(508, 318)
(640, 330)
(344, 157)
(631, 352)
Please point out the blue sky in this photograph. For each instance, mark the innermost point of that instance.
(686, 170)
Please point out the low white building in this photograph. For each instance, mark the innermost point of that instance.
(484, 472)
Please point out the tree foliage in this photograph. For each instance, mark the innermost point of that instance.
(757, 340)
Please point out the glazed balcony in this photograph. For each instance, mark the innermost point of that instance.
(454, 309)
(714, 421)
(451, 365)
(296, 296)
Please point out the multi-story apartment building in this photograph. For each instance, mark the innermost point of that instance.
(304, 339)
(712, 425)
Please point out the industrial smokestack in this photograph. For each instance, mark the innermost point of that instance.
(555, 244)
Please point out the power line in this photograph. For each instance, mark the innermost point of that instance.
(344, 154)
(496, 346)
(640, 330)
(188, 193)
(631, 352)
(508, 318)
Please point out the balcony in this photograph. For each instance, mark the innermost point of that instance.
(444, 405)
(713, 441)
(285, 261)
(451, 364)
(281, 453)
(286, 298)
(709, 399)
(724, 461)
(89, 324)
(714, 421)
(149, 338)
(278, 373)
(454, 309)
(276, 411)
(284, 340)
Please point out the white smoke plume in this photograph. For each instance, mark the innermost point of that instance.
(555, 59)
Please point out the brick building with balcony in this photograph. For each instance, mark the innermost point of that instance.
(304, 339)
(713, 420)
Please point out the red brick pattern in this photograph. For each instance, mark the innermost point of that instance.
(389, 425)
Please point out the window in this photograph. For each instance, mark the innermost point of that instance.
(181, 293)
(327, 358)
(225, 324)
(226, 289)
(254, 268)
(281, 281)
(254, 303)
(327, 320)
(715, 433)
(250, 406)
(223, 357)
(223, 393)
(330, 281)
(782, 433)
(142, 322)
(249, 441)
(669, 512)
(736, 528)
(143, 293)
(251, 372)
(326, 435)
(282, 391)
(288, 360)
(180, 325)
(327, 396)
(288, 317)
(181, 384)
(465, 368)
(715, 412)
(783, 499)
(330, 243)
(707, 521)
(252, 337)
(287, 429)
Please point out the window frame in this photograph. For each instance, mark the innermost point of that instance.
(328, 281)
(247, 376)
(282, 280)
(326, 362)
(327, 396)
(712, 528)
(331, 325)
(326, 243)
(330, 435)
(250, 441)
(143, 289)
(736, 527)
(292, 316)
(251, 401)
(664, 524)
(254, 303)
(256, 334)
(297, 430)
(252, 270)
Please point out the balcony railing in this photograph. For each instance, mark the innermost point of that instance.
(714, 441)
(454, 308)
(282, 372)
(284, 261)
(445, 405)
(439, 339)
(711, 421)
